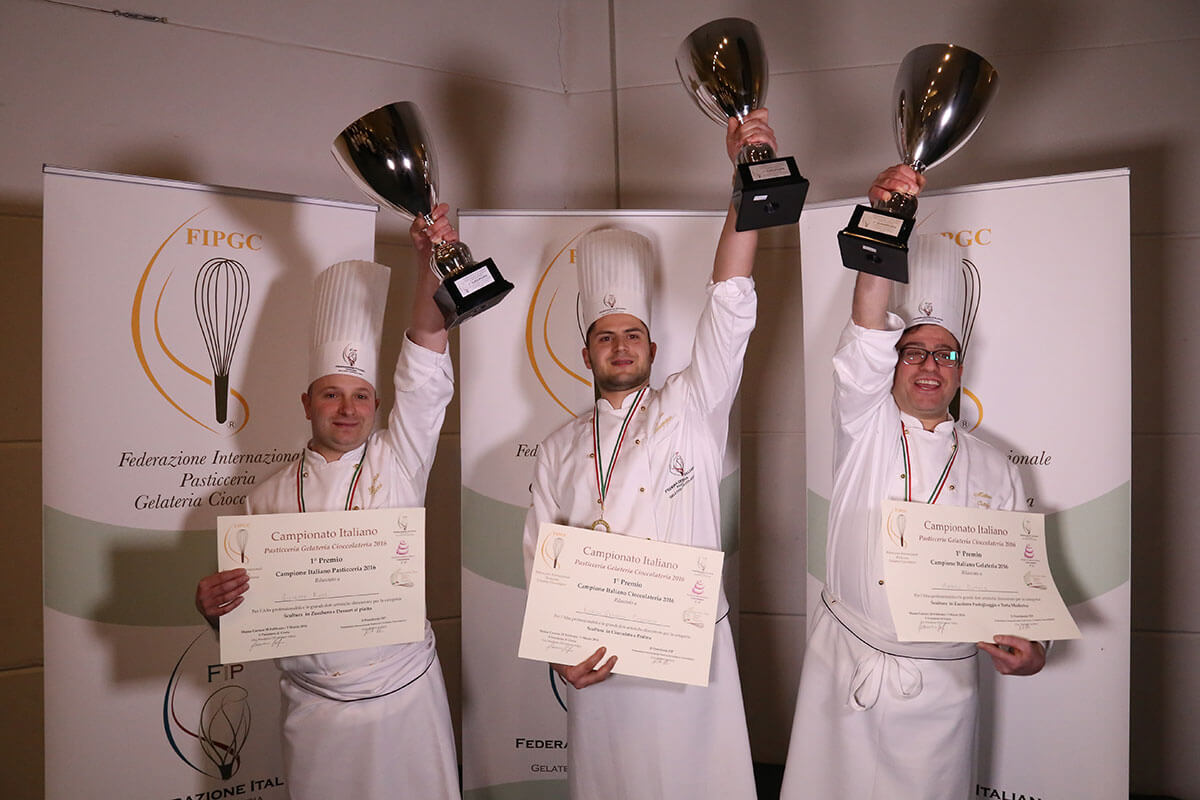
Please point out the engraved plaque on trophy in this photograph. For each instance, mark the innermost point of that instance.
(724, 68)
(941, 94)
(388, 154)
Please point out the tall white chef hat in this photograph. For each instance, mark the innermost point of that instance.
(349, 299)
(616, 275)
(936, 292)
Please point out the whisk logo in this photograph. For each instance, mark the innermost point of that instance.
(552, 548)
(170, 347)
(205, 727)
(222, 295)
(967, 408)
(235, 541)
(552, 337)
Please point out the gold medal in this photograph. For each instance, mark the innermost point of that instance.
(603, 476)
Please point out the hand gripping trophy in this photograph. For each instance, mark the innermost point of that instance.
(941, 94)
(724, 68)
(389, 156)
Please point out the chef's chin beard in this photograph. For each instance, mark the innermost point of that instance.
(623, 384)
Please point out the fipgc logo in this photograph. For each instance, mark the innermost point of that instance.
(187, 315)
(206, 721)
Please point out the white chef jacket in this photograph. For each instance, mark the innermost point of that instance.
(374, 722)
(876, 718)
(634, 738)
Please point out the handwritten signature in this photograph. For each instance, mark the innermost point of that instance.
(271, 642)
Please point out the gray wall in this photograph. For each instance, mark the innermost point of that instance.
(575, 104)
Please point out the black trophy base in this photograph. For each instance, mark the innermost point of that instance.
(471, 292)
(768, 193)
(876, 242)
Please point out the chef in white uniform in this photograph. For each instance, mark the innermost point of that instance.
(877, 718)
(647, 462)
(374, 722)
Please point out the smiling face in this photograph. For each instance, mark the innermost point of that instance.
(619, 353)
(342, 411)
(925, 390)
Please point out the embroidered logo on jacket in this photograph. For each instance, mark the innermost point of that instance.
(682, 473)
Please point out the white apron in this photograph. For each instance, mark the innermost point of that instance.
(873, 726)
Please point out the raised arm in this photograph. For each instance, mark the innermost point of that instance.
(735, 251)
(427, 327)
(871, 292)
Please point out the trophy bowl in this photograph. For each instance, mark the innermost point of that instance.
(941, 95)
(389, 156)
(723, 67)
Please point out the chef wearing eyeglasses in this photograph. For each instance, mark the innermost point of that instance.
(875, 717)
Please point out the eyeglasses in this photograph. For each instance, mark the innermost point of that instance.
(914, 356)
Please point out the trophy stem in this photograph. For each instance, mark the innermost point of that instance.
(901, 203)
(450, 258)
(755, 153)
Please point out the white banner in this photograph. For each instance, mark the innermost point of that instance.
(1048, 383)
(175, 325)
(522, 378)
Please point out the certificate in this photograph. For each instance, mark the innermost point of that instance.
(323, 581)
(956, 574)
(652, 604)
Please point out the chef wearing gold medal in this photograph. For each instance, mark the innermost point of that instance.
(372, 722)
(647, 462)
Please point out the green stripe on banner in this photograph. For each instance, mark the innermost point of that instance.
(730, 494)
(817, 534)
(492, 531)
(1088, 545)
(491, 538)
(522, 790)
(123, 576)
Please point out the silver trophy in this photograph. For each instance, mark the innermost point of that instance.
(942, 93)
(724, 68)
(388, 154)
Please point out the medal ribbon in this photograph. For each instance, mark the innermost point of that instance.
(937, 489)
(603, 478)
(353, 478)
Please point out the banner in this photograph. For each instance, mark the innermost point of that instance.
(522, 378)
(1048, 383)
(175, 335)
